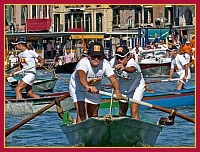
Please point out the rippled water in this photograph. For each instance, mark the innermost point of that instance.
(44, 130)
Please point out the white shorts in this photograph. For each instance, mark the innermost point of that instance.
(80, 96)
(137, 95)
(183, 74)
(29, 78)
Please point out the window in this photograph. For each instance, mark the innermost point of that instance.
(23, 14)
(116, 17)
(34, 11)
(56, 22)
(99, 22)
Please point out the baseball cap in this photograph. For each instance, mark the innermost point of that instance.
(173, 48)
(20, 40)
(96, 49)
(122, 51)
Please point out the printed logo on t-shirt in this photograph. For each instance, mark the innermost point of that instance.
(123, 75)
(23, 60)
(93, 81)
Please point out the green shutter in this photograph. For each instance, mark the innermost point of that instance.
(136, 16)
(146, 15)
(114, 16)
(8, 14)
(66, 22)
(97, 22)
(166, 13)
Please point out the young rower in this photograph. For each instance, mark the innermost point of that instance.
(180, 64)
(26, 60)
(87, 76)
(130, 78)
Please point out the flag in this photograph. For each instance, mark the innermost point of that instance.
(181, 37)
(83, 44)
(167, 42)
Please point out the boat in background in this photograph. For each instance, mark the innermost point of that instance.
(155, 67)
(39, 85)
(32, 105)
(169, 99)
(66, 68)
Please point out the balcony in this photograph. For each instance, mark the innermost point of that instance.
(36, 25)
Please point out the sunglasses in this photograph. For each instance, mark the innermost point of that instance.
(120, 58)
(99, 57)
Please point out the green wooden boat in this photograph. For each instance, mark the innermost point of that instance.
(111, 132)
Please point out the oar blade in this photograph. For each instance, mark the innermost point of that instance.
(11, 79)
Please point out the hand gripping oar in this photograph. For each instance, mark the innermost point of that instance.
(149, 105)
(35, 114)
(56, 74)
(11, 79)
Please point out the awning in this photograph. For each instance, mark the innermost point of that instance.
(38, 24)
(87, 36)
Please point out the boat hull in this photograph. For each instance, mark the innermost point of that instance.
(117, 132)
(32, 105)
(154, 67)
(39, 85)
(170, 99)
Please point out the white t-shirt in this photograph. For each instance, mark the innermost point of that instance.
(94, 75)
(187, 57)
(178, 63)
(27, 59)
(137, 54)
(129, 81)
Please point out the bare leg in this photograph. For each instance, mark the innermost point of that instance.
(180, 85)
(30, 93)
(92, 110)
(135, 111)
(123, 107)
(81, 111)
(19, 89)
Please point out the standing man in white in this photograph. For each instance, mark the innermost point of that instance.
(180, 64)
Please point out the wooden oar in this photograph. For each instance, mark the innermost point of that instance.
(149, 105)
(56, 74)
(11, 79)
(156, 81)
(35, 114)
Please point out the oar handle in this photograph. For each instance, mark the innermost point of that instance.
(166, 80)
(35, 114)
(148, 105)
(17, 72)
(24, 69)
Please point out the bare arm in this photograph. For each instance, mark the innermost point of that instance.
(41, 60)
(171, 73)
(116, 86)
(83, 80)
(186, 71)
(18, 69)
